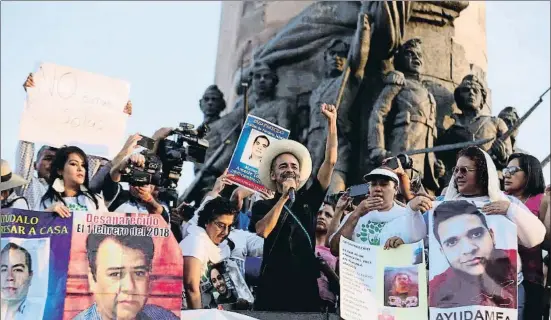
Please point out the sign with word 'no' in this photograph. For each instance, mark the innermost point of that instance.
(67, 106)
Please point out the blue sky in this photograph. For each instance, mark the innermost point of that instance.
(167, 51)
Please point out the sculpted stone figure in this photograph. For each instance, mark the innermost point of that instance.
(335, 60)
(262, 100)
(475, 122)
(404, 116)
(212, 104)
(510, 116)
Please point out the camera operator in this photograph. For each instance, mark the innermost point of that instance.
(138, 199)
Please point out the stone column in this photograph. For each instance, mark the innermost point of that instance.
(245, 25)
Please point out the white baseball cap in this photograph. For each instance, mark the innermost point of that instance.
(381, 172)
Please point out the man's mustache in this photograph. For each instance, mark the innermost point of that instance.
(288, 175)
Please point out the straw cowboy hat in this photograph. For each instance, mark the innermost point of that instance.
(277, 148)
(9, 180)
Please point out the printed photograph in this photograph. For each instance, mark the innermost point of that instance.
(224, 291)
(24, 275)
(401, 287)
(130, 276)
(255, 148)
(473, 258)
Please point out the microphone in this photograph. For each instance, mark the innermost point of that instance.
(292, 195)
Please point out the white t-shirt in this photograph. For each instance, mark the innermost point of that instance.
(197, 244)
(20, 203)
(80, 203)
(375, 228)
(247, 244)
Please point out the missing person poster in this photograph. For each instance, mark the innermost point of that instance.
(123, 266)
(33, 264)
(225, 287)
(473, 263)
(255, 138)
(382, 284)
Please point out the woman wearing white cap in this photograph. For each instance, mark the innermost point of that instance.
(8, 182)
(379, 220)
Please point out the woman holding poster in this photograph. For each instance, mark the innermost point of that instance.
(475, 179)
(524, 180)
(68, 185)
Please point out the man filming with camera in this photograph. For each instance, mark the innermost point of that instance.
(139, 196)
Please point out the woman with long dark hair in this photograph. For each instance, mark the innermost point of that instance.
(475, 179)
(68, 185)
(523, 179)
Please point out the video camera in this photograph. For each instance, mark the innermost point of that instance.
(151, 173)
(189, 145)
(405, 161)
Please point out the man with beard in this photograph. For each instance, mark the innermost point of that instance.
(289, 272)
(218, 281)
(324, 219)
(404, 293)
(479, 274)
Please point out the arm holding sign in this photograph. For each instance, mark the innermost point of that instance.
(530, 230)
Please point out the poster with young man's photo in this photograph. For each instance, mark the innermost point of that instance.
(224, 286)
(34, 255)
(382, 284)
(123, 266)
(473, 263)
(256, 136)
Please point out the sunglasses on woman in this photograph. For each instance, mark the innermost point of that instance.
(462, 170)
(510, 171)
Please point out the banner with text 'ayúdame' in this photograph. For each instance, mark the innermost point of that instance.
(33, 264)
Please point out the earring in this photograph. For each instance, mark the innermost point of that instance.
(58, 185)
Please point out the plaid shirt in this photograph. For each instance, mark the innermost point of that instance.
(148, 312)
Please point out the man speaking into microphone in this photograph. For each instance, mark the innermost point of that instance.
(289, 271)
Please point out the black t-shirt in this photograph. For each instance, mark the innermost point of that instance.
(289, 272)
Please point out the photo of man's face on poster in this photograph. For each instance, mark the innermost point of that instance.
(222, 284)
(18, 283)
(256, 146)
(401, 287)
(468, 245)
(16, 272)
(119, 278)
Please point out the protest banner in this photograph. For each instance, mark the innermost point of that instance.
(33, 264)
(382, 284)
(255, 138)
(73, 107)
(127, 265)
(473, 263)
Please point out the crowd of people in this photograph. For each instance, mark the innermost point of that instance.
(285, 242)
